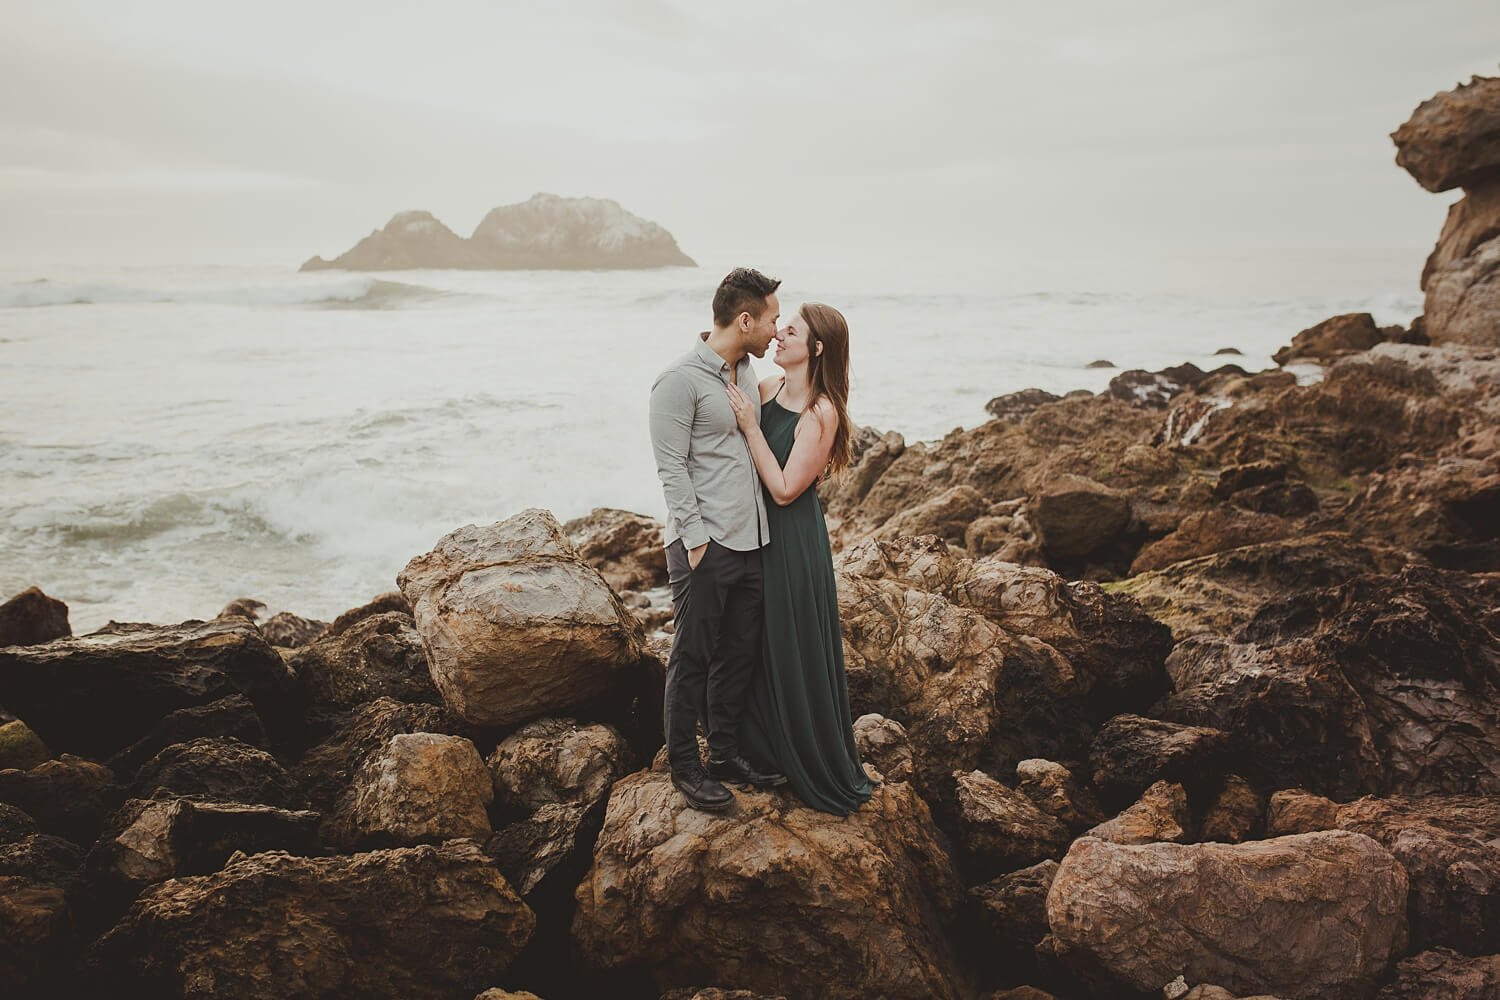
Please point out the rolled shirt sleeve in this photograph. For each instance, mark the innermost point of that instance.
(672, 409)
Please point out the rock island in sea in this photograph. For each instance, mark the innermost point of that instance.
(1188, 689)
(545, 232)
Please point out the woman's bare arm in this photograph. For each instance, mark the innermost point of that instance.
(810, 451)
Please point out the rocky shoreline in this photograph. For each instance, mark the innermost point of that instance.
(1189, 688)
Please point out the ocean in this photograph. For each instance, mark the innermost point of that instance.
(175, 436)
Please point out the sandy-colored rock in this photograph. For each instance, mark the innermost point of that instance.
(1463, 299)
(422, 787)
(1332, 338)
(418, 922)
(774, 896)
(1161, 814)
(625, 548)
(1058, 793)
(515, 624)
(882, 744)
(557, 760)
(1317, 915)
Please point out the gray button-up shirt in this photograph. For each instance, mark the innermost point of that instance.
(707, 474)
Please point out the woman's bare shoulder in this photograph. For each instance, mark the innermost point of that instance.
(769, 385)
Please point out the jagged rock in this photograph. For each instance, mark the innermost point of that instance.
(551, 844)
(1462, 299)
(553, 761)
(1154, 389)
(379, 656)
(499, 994)
(1058, 793)
(1000, 829)
(882, 744)
(417, 922)
(420, 787)
(233, 716)
(31, 618)
(326, 772)
(987, 663)
(291, 631)
(1160, 815)
(1289, 500)
(544, 232)
(1132, 752)
(770, 896)
(1385, 684)
(391, 600)
(1452, 139)
(1076, 516)
(625, 548)
(1317, 915)
(515, 624)
(947, 515)
(1444, 974)
(1472, 220)
(1449, 845)
(96, 694)
(1236, 813)
(1234, 478)
(152, 840)
(1218, 594)
(69, 796)
(1208, 531)
(20, 748)
(218, 768)
(1332, 338)
(1013, 407)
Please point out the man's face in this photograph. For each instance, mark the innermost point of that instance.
(762, 331)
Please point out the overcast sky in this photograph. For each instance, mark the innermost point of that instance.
(152, 128)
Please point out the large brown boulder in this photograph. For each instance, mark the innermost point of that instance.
(1312, 916)
(557, 760)
(515, 624)
(31, 618)
(1332, 338)
(418, 788)
(1452, 139)
(1449, 845)
(419, 922)
(774, 896)
(625, 548)
(95, 694)
(1000, 829)
(1076, 515)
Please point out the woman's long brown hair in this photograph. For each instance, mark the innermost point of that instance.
(828, 374)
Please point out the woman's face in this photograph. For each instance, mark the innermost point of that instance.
(792, 342)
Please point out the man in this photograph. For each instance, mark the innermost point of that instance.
(716, 526)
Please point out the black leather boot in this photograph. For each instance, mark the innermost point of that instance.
(702, 791)
(739, 770)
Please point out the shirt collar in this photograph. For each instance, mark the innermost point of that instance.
(709, 356)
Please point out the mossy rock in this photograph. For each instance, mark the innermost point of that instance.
(20, 747)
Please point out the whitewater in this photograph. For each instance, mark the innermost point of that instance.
(176, 436)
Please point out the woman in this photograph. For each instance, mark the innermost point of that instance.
(797, 712)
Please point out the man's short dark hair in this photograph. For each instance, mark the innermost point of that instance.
(743, 290)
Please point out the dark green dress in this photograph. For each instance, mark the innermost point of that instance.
(796, 716)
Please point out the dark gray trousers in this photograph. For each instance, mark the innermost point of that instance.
(716, 611)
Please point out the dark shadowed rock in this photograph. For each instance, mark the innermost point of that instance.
(1237, 813)
(15, 824)
(233, 716)
(1011, 916)
(218, 768)
(290, 631)
(1013, 407)
(69, 796)
(417, 922)
(1000, 829)
(1075, 516)
(1132, 752)
(31, 617)
(96, 694)
(378, 656)
(1154, 389)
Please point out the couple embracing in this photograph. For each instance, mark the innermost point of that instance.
(757, 654)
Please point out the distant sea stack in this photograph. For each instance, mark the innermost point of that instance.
(545, 232)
